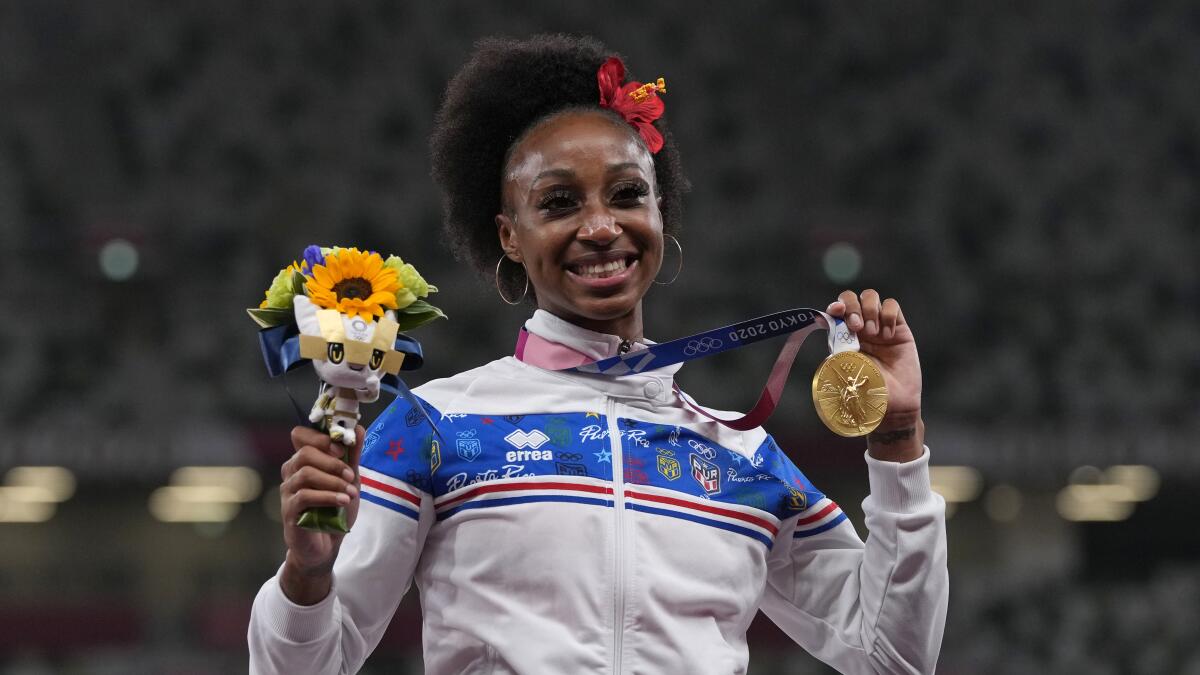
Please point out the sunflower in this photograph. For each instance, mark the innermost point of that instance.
(354, 283)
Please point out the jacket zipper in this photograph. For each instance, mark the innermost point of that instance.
(618, 469)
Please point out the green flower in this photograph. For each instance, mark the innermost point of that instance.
(414, 285)
(281, 292)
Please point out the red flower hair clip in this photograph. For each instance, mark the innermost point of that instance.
(638, 103)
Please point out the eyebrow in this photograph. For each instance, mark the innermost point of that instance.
(567, 173)
(558, 173)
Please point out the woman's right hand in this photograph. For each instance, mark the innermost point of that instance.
(319, 473)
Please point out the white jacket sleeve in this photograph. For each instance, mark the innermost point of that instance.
(373, 570)
(873, 608)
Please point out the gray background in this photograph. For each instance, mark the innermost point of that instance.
(1022, 177)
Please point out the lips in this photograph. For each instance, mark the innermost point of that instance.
(600, 270)
(602, 265)
(603, 270)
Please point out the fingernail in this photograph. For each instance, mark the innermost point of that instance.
(343, 498)
(351, 490)
(348, 475)
(855, 321)
(888, 332)
(871, 327)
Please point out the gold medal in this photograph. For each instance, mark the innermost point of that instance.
(850, 394)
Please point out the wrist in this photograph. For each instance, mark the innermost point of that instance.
(900, 437)
(305, 586)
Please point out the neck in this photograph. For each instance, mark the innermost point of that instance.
(626, 327)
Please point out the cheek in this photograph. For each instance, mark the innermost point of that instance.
(541, 250)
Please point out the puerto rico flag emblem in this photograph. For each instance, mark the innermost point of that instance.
(707, 474)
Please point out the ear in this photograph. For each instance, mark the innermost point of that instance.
(507, 229)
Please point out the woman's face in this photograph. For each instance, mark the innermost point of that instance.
(581, 213)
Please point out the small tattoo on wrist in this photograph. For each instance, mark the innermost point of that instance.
(890, 437)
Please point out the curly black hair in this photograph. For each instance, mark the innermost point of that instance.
(506, 88)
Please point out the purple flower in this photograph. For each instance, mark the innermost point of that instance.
(312, 256)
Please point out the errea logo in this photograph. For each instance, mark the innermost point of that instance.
(520, 439)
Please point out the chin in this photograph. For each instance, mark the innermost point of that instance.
(604, 309)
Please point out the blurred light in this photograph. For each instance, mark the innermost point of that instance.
(118, 259)
(23, 511)
(1100, 493)
(956, 483)
(842, 262)
(1003, 503)
(1084, 503)
(1141, 481)
(26, 493)
(200, 493)
(193, 504)
(58, 483)
(243, 482)
(271, 504)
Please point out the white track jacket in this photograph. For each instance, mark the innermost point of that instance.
(572, 523)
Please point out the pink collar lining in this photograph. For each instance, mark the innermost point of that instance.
(538, 351)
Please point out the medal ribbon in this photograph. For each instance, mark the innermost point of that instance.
(796, 323)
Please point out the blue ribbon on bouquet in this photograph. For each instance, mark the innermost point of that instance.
(280, 347)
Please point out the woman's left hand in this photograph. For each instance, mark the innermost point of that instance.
(884, 335)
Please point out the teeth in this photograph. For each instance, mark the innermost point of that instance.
(602, 270)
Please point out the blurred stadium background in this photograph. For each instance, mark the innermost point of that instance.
(1021, 176)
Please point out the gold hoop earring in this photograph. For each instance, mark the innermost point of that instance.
(678, 269)
(501, 292)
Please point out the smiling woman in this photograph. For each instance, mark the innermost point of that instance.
(580, 213)
(500, 97)
(572, 522)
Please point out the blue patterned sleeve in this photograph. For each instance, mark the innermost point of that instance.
(399, 453)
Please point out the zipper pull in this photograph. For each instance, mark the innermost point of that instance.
(624, 347)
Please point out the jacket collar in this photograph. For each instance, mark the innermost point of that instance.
(651, 384)
(589, 343)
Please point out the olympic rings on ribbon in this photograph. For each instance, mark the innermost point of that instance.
(702, 346)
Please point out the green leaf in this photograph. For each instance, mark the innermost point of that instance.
(409, 320)
(330, 519)
(298, 280)
(269, 317)
(419, 307)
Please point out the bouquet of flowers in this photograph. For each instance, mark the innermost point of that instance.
(343, 309)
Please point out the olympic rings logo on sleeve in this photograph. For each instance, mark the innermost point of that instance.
(702, 346)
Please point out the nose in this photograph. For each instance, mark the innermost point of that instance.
(599, 227)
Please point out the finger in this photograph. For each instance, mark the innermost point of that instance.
(836, 308)
(315, 479)
(888, 314)
(870, 312)
(307, 499)
(302, 436)
(853, 315)
(310, 456)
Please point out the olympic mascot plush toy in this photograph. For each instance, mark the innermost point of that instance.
(343, 309)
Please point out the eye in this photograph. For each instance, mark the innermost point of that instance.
(630, 194)
(557, 201)
(336, 352)
(376, 359)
